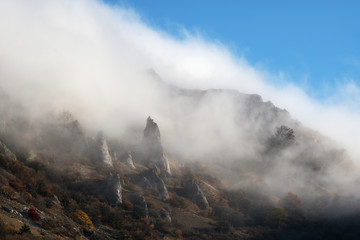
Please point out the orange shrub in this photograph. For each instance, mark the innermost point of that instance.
(83, 219)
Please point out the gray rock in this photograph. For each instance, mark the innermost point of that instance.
(194, 192)
(163, 192)
(151, 179)
(6, 151)
(112, 190)
(152, 147)
(101, 152)
(56, 200)
(165, 215)
(139, 200)
(6, 208)
(106, 157)
(156, 170)
(129, 161)
(145, 184)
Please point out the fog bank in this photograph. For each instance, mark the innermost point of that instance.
(93, 60)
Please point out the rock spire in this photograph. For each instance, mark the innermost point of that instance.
(152, 147)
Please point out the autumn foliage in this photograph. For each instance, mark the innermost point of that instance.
(82, 218)
(33, 215)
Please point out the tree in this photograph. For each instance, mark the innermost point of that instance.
(24, 229)
(284, 137)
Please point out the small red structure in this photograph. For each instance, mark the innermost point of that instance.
(33, 215)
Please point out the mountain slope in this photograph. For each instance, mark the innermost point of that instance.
(240, 169)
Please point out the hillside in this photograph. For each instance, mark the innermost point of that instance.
(253, 173)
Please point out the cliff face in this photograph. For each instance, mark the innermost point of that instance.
(152, 148)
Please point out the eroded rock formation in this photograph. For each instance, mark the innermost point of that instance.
(152, 147)
(112, 190)
(150, 179)
(196, 195)
(129, 161)
(102, 153)
(106, 157)
(139, 201)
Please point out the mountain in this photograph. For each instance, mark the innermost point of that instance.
(227, 166)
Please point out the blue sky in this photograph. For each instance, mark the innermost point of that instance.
(314, 44)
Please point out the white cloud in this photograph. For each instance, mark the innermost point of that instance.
(90, 58)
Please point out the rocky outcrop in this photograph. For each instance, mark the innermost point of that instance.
(101, 151)
(106, 157)
(165, 215)
(144, 183)
(6, 151)
(150, 179)
(199, 198)
(165, 164)
(129, 161)
(108, 189)
(56, 200)
(138, 200)
(112, 190)
(63, 134)
(194, 192)
(163, 192)
(152, 147)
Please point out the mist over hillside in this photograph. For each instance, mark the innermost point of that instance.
(248, 143)
(111, 71)
(80, 81)
(92, 59)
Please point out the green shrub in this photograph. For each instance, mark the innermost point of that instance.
(24, 229)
